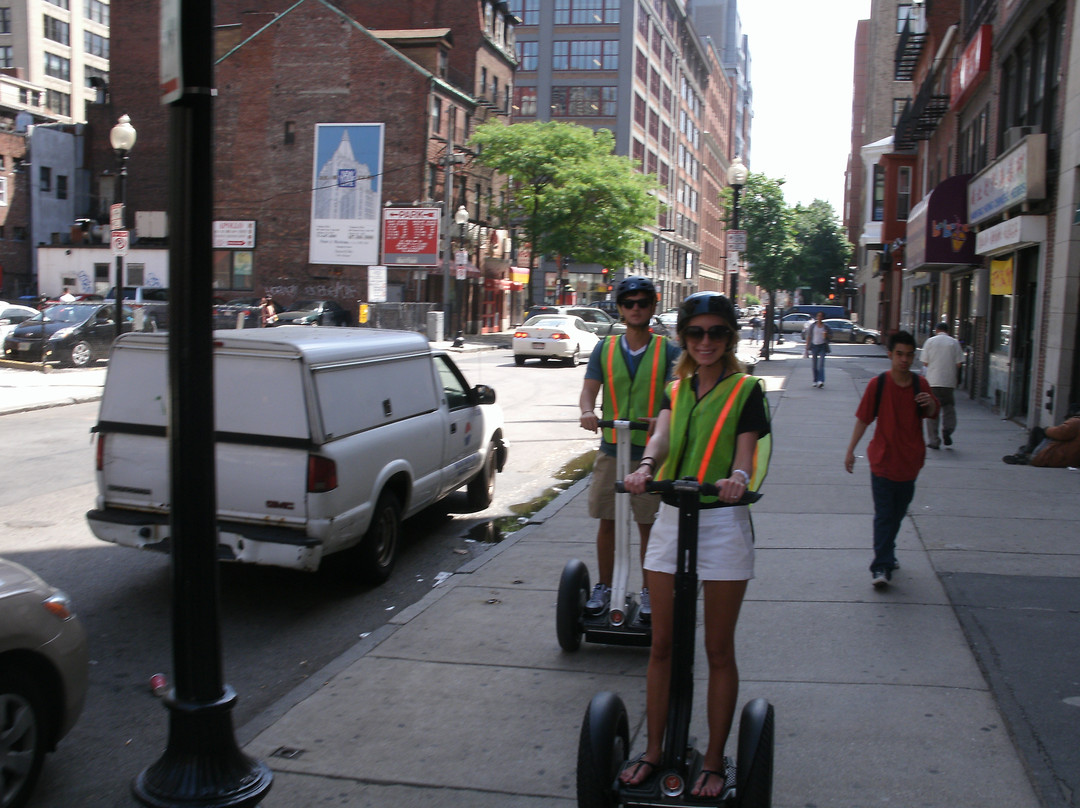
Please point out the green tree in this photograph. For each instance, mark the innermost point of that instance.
(823, 250)
(770, 239)
(570, 194)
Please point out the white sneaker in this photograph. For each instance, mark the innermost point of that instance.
(599, 602)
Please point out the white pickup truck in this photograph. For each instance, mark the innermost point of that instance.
(325, 440)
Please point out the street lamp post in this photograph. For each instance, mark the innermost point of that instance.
(122, 138)
(461, 219)
(736, 177)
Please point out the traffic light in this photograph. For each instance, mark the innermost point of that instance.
(832, 288)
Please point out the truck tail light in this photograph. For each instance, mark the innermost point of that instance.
(321, 474)
(99, 452)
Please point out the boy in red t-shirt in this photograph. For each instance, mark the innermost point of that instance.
(896, 451)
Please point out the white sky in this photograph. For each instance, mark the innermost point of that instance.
(802, 68)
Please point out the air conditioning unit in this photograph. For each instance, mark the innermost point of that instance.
(1014, 134)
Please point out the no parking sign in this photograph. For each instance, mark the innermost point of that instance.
(119, 240)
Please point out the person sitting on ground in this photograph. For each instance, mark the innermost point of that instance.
(1055, 447)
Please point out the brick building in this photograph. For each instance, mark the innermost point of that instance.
(427, 71)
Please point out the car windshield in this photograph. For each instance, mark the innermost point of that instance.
(306, 305)
(546, 321)
(66, 314)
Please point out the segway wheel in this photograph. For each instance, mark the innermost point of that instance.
(602, 751)
(570, 607)
(754, 770)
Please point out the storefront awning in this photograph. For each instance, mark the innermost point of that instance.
(1011, 235)
(939, 235)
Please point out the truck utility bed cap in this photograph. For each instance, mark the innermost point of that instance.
(317, 345)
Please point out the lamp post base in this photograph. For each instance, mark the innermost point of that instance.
(202, 766)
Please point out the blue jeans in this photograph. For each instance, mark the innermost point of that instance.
(817, 356)
(891, 500)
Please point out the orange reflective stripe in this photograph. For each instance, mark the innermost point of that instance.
(657, 348)
(716, 429)
(612, 345)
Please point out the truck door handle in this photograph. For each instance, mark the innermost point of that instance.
(453, 428)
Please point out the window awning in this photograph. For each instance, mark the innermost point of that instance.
(939, 235)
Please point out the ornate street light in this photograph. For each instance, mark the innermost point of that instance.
(122, 138)
(736, 177)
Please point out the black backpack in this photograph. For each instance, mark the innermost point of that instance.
(881, 388)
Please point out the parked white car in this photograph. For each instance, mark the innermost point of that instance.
(11, 314)
(545, 337)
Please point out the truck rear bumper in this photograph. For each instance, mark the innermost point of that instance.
(250, 544)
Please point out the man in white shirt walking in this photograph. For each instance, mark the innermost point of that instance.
(942, 357)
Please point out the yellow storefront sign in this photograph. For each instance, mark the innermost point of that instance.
(1001, 276)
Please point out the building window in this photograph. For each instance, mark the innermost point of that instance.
(583, 102)
(5, 20)
(56, 30)
(6, 57)
(589, 54)
(19, 233)
(61, 186)
(64, 4)
(90, 73)
(436, 115)
(525, 102)
(234, 269)
(903, 193)
(639, 154)
(57, 66)
(29, 98)
(528, 55)
(528, 11)
(903, 14)
(96, 11)
(45, 179)
(96, 45)
(3, 191)
(898, 105)
(639, 110)
(877, 213)
(586, 12)
(58, 103)
(289, 136)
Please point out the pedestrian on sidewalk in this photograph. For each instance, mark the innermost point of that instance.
(1054, 447)
(942, 357)
(755, 329)
(898, 400)
(817, 346)
(632, 370)
(709, 426)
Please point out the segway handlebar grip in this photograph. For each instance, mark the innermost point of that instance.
(633, 426)
(690, 484)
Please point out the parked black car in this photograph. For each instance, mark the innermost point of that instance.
(314, 312)
(75, 334)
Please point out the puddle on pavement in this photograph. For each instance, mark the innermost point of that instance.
(494, 531)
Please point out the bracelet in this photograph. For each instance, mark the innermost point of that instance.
(649, 460)
(587, 412)
(745, 476)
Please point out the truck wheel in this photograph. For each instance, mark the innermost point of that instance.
(377, 551)
(24, 722)
(81, 354)
(481, 488)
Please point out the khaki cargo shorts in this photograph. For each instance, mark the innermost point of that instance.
(602, 494)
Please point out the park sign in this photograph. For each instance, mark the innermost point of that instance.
(411, 236)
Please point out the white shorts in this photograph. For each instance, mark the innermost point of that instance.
(725, 543)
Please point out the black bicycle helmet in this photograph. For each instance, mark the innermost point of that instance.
(705, 303)
(635, 283)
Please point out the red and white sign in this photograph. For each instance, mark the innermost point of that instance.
(119, 240)
(116, 217)
(234, 235)
(411, 236)
(972, 66)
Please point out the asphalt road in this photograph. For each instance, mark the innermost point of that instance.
(278, 627)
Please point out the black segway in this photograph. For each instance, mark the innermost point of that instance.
(605, 739)
(622, 624)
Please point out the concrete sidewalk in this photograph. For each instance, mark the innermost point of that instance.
(466, 699)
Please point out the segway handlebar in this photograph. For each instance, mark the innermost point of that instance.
(693, 486)
(641, 426)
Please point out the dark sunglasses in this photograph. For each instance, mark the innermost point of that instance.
(715, 332)
(640, 302)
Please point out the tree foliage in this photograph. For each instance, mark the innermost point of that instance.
(570, 194)
(770, 234)
(823, 249)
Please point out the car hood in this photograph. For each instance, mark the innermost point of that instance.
(15, 578)
(298, 316)
(33, 330)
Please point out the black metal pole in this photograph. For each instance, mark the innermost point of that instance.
(735, 226)
(202, 764)
(121, 183)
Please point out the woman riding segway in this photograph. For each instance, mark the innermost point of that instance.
(714, 426)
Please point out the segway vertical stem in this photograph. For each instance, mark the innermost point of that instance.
(621, 573)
